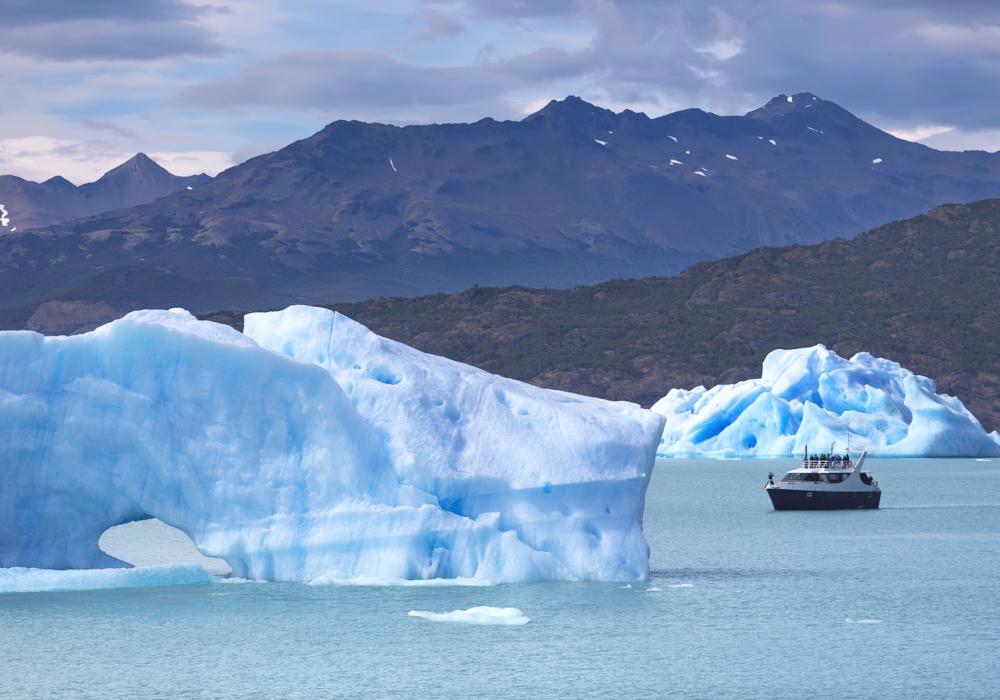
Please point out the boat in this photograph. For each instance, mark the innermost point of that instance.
(825, 482)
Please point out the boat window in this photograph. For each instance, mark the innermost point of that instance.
(866, 479)
(792, 476)
(835, 478)
(811, 477)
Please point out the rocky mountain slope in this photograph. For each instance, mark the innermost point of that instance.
(572, 194)
(139, 180)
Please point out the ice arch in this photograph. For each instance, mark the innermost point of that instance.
(151, 542)
(262, 461)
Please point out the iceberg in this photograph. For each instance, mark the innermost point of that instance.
(265, 461)
(812, 396)
(566, 474)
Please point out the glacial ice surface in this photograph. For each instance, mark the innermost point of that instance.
(812, 396)
(422, 469)
(564, 474)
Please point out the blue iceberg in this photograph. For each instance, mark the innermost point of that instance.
(264, 460)
(812, 396)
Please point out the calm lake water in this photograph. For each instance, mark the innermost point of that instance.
(743, 602)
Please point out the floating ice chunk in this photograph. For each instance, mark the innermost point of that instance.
(393, 166)
(190, 188)
(603, 143)
(627, 585)
(482, 615)
(675, 162)
(761, 138)
(814, 397)
(862, 622)
(773, 142)
(731, 157)
(687, 152)
(877, 160)
(681, 585)
(654, 589)
(674, 138)
(698, 172)
(24, 580)
(789, 98)
(811, 129)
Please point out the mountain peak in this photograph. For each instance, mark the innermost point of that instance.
(139, 165)
(572, 110)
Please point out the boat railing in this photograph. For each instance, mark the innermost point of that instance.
(827, 462)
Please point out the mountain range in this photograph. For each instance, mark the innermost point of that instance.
(139, 180)
(572, 194)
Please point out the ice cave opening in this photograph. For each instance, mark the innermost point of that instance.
(151, 542)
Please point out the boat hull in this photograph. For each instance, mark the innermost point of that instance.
(796, 499)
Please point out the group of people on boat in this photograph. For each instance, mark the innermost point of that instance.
(827, 461)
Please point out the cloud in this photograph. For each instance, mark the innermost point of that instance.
(344, 80)
(436, 26)
(103, 30)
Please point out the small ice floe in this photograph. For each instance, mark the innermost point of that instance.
(482, 615)
(611, 132)
(811, 129)
(627, 585)
(673, 137)
(190, 188)
(603, 143)
(698, 172)
(675, 162)
(23, 580)
(761, 138)
(654, 589)
(393, 166)
(338, 580)
(877, 160)
(681, 585)
(789, 98)
(731, 157)
(984, 460)
(687, 152)
(862, 622)
(773, 142)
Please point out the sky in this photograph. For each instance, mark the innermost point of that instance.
(200, 86)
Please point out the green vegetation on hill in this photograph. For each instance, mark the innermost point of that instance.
(923, 292)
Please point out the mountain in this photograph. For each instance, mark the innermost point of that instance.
(138, 180)
(572, 194)
(923, 292)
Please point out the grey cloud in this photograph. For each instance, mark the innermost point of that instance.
(437, 25)
(899, 61)
(350, 79)
(28, 12)
(108, 40)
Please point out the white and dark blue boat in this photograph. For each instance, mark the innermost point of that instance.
(825, 482)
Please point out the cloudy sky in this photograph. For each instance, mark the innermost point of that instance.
(199, 86)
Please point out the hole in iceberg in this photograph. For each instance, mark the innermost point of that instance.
(152, 542)
(385, 375)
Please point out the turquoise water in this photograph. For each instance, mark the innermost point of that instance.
(751, 603)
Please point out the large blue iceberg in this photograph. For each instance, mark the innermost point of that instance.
(418, 468)
(813, 397)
